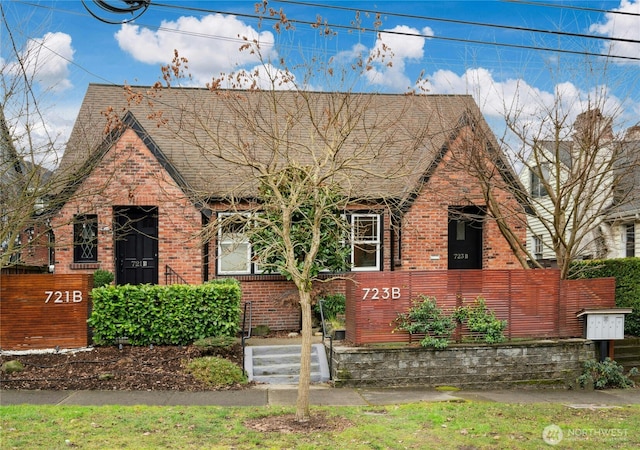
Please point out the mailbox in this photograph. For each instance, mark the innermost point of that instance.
(604, 324)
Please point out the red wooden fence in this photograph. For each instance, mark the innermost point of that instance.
(44, 311)
(535, 303)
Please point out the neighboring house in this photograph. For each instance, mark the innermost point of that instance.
(24, 236)
(623, 217)
(133, 208)
(606, 218)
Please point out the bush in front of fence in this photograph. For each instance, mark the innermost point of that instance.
(165, 315)
(626, 271)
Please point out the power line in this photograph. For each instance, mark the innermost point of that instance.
(400, 33)
(578, 8)
(375, 30)
(460, 22)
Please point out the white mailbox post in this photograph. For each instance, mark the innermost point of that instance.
(604, 325)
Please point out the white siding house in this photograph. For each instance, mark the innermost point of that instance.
(585, 191)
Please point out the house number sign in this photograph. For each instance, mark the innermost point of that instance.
(385, 293)
(63, 296)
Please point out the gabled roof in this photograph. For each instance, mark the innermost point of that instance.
(401, 136)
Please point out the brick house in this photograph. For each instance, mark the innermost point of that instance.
(144, 192)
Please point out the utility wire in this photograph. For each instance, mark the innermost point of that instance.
(400, 33)
(459, 22)
(375, 30)
(578, 8)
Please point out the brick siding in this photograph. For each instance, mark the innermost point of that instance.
(129, 174)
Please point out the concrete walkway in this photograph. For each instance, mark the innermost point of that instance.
(324, 395)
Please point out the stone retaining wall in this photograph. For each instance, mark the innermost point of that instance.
(535, 363)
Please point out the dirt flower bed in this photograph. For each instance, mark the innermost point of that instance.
(110, 368)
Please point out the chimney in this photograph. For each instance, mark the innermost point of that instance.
(633, 133)
(593, 126)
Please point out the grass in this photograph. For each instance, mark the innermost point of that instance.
(440, 425)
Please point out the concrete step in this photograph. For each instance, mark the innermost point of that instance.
(282, 369)
(280, 364)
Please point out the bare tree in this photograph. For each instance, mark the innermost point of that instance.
(24, 181)
(34, 182)
(295, 161)
(573, 171)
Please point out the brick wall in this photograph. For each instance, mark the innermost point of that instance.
(274, 300)
(424, 228)
(130, 175)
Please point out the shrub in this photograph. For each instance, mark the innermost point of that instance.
(216, 372)
(426, 318)
(606, 374)
(627, 274)
(332, 306)
(176, 315)
(102, 278)
(481, 321)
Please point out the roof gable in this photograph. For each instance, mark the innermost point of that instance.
(411, 134)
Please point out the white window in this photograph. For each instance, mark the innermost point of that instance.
(365, 242)
(538, 247)
(537, 182)
(234, 248)
(629, 240)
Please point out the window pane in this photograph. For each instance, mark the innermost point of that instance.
(631, 241)
(365, 228)
(365, 255)
(234, 257)
(461, 229)
(234, 249)
(85, 238)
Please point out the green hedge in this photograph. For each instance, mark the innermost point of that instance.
(627, 274)
(165, 315)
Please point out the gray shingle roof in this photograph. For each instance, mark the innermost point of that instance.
(385, 144)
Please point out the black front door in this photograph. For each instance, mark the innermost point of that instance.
(465, 238)
(136, 234)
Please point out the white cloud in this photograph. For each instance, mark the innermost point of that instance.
(46, 61)
(531, 108)
(391, 52)
(622, 26)
(211, 44)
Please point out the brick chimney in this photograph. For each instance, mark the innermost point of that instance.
(633, 133)
(593, 126)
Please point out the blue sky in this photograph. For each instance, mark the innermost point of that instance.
(449, 41)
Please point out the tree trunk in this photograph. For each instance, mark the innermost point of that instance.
(302, 403)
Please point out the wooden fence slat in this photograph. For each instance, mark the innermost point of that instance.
(536, 303)
(40, 311)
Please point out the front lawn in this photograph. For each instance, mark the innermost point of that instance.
(442, 425)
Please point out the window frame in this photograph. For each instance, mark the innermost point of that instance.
(251, 266)
(629, 240)
(80, 240)
(538, 247)
(537, 186)
(376, 241)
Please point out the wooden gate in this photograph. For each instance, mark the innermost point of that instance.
(44, 311)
